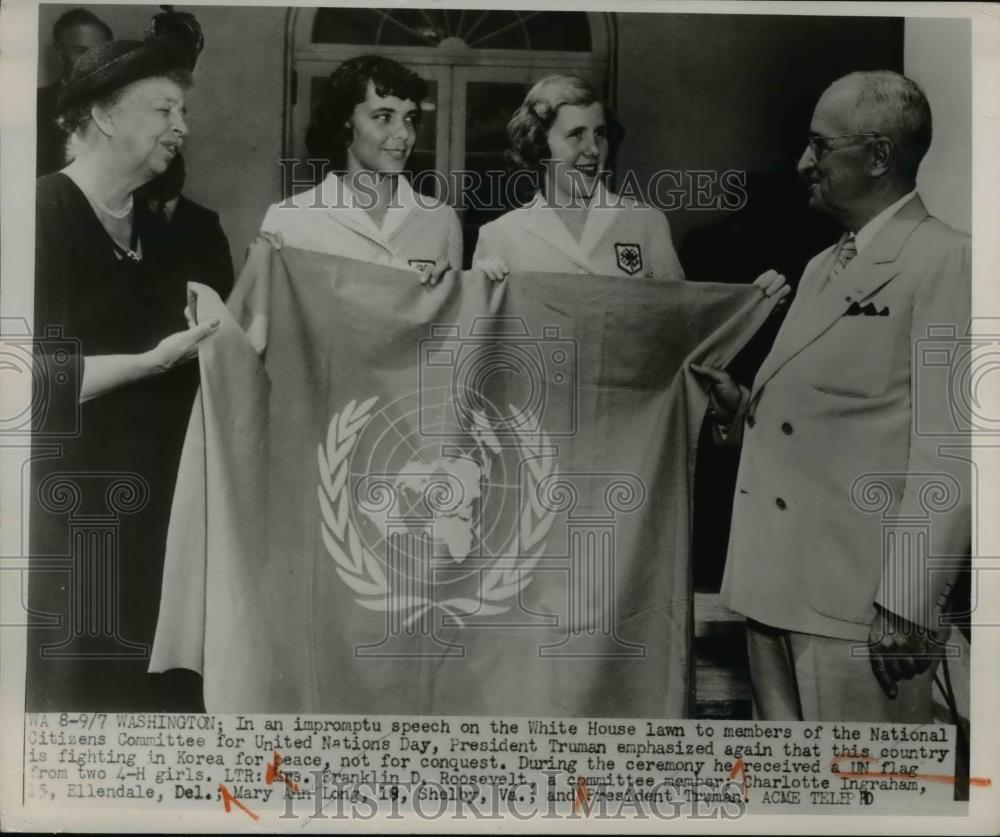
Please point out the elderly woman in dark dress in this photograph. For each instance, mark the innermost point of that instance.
(115, 380)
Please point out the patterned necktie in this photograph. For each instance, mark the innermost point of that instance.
(848, 250)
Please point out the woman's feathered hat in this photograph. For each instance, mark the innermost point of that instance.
(173, 42)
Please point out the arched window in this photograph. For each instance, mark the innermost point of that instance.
(476, 29)
(478, 65)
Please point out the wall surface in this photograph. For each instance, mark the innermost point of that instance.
(938, 57)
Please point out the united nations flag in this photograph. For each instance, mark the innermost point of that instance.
(467, 499)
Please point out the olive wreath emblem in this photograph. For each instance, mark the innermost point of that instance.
(358, 566)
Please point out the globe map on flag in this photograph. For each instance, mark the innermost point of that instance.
(419, 467)
(446, 491)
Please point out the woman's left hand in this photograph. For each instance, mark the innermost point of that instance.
(432, 275)
(772, 283)
(180, 347)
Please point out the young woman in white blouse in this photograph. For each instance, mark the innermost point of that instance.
(575, 224)
(366, 210)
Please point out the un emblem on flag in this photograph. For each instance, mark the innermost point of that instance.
(417, 521)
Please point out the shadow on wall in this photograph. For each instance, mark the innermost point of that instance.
(775, 230)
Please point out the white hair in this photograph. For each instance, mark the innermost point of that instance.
(894, 106)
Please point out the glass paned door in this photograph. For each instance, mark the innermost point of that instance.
(487, 190)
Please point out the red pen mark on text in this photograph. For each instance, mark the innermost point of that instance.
(581, 796)
(939, 778)
(740, 769)
(273, 774)
(229, 800)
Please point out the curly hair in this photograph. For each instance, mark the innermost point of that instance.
(529, 126)
(331, 131)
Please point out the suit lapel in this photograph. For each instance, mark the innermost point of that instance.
(605, 208)
(346, 214)
(354, 218)
(545, 224)
(790, 338)
(402, 206)
(870, 270)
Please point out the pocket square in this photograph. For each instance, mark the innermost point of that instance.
(868, 310)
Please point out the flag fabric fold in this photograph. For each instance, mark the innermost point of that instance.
(470, 499)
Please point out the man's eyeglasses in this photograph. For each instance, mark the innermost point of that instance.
(819, 144)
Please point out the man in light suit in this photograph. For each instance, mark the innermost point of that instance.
(844, 620)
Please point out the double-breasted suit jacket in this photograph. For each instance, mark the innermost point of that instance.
(834, 446)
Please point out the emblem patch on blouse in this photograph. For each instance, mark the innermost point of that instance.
(420, 264)
(629, 258)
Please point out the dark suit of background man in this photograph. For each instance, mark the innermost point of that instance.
(73, 34)
(830, 439)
